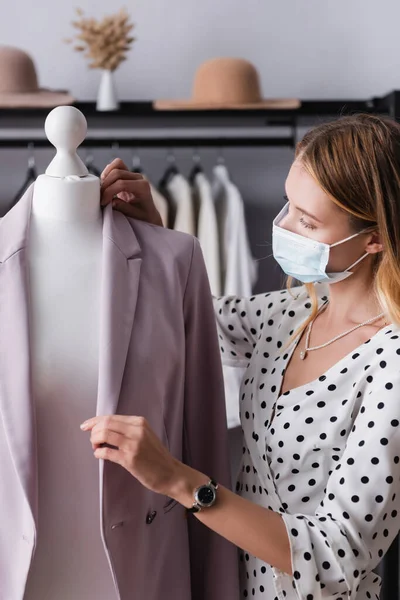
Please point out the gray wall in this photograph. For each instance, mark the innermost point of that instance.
(307, 48)
(302, 48)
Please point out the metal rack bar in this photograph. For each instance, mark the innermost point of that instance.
(158, 142)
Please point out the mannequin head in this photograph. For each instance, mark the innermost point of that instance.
(66, 129)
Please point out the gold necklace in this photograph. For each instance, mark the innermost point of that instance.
(307, 349)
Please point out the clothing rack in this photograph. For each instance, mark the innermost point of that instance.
(157, 142)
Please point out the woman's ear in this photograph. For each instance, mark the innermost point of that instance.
(374, 243)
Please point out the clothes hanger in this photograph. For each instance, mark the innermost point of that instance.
(90, 166)
(196, 169)
(221, 163)
(114, 151)
(136, 165)
(170, 171)
(220, 157)
(31, 176)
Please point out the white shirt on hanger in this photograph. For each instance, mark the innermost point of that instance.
(161, 204)
(207, 231)
(239, 270)
(181, 195)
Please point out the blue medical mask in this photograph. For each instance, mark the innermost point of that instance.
(303, 258)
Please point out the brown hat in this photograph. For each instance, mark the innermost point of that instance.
(226, 83)
(19, 85)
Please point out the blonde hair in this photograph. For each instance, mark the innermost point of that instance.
(356, 161)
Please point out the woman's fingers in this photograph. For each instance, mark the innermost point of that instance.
(105, 436)
(138, 188)
(139, 210)
(129, 209)
(120, 182)
(129, 193)
(117, 163)
(115, 174)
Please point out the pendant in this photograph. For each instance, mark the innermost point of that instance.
(303, 354)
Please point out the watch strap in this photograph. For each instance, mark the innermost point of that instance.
(194, 509)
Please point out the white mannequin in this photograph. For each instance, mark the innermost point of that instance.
(65, 255)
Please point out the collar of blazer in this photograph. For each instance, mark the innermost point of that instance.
(121, 264)
(14, 229)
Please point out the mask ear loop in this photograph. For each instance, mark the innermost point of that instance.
(358, 261)
(350, 238)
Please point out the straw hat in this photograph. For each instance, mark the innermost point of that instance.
(226, 83)
(19, 84)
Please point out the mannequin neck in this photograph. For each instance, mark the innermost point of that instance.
(70, 199)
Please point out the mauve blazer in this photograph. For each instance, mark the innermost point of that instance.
(159, 358)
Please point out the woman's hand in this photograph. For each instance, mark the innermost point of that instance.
(128, 192)
(136, 448)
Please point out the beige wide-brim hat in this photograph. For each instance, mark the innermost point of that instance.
(19, 84)
(227, 83)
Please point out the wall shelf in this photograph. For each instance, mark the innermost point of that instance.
(17, 126)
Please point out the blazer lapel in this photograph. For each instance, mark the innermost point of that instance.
(120, 285)
(16, 405)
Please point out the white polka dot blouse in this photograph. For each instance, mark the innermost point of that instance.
(329, 461)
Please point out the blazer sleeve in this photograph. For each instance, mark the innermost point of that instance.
(213, 560)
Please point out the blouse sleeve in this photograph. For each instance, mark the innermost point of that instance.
(240, 322)
(333, 549)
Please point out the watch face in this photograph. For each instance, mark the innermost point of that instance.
(205, 495)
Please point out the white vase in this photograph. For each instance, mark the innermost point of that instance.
(107, 95)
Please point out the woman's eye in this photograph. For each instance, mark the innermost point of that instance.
(305, 224)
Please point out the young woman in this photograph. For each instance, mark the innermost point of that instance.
(316, 503)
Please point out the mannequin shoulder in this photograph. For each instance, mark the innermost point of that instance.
(165, 245)
(152, 235)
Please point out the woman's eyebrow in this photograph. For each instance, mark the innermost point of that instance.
(305, 212)
(308, 214)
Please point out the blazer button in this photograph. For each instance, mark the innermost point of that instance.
(150, 517)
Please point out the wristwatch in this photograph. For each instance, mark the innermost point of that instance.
(204, 496)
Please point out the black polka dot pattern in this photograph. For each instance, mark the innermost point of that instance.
(324, 455)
